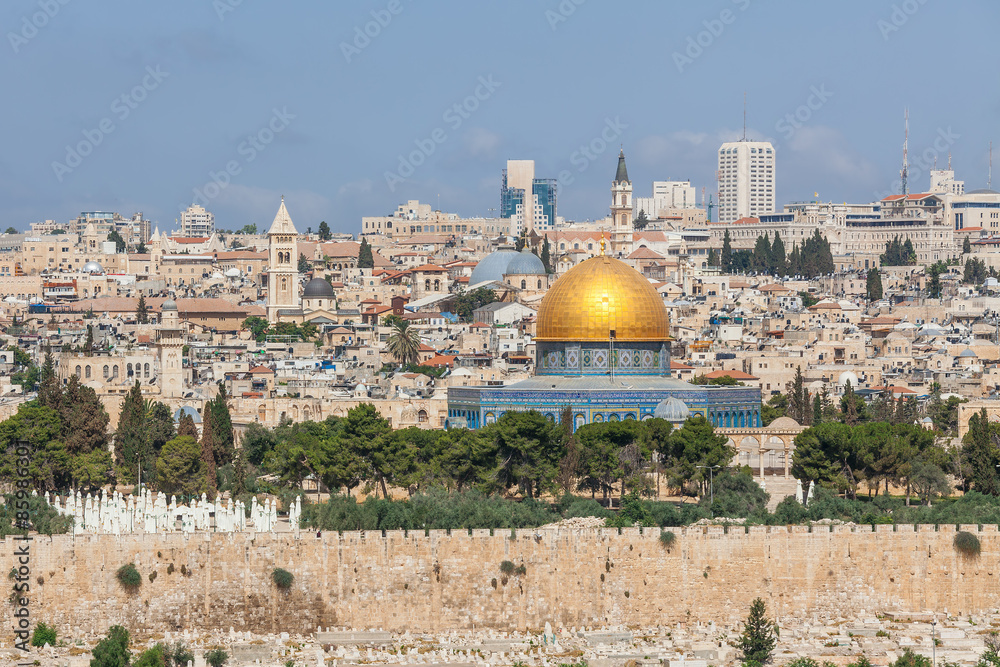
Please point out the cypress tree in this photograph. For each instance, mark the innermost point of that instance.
(132, 445)
(222, 425)
(873, 284)
(141, 311)
(186, 426)
(208, 444)
(727, 253)
(366, 260)
(778, 263)
(49, 393)
(546, 258)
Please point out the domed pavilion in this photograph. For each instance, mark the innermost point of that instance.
(602, 349)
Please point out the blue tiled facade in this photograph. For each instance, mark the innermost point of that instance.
(602, 401)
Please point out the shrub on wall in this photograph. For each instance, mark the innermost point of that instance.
(129, 578)
(43, 635)
(283, 579)
(667, 539)
(967, 544)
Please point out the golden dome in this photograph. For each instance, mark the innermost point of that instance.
(599, 295)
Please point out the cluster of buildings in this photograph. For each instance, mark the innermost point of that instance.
(626, 312)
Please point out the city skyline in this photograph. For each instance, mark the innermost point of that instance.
(226, 105)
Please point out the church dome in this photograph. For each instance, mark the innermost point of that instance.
(525, 263)
(93, 267)
(169, 304)
(672, 409)
(492, 267)
(318, 288)
(597, 296)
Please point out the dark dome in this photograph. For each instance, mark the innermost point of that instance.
(318, 288)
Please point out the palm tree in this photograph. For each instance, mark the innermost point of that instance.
(404, 343)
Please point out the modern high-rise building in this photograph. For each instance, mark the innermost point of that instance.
(529, 202)
(197, 222)
(746, 179)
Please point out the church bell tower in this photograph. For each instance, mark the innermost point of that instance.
(282, 266)
(621, 211)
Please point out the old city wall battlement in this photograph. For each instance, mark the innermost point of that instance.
(437, 581)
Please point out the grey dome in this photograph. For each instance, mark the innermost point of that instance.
(672, 409)
(967, 353)
(187, 410)
(169, 304)
(318, 288)
(493, 266)
(93, 267)
(526, 263)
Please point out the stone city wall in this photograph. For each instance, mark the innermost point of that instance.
(438, 581)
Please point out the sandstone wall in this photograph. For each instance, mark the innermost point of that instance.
(438, 581)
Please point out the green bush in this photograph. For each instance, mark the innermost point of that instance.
(967, 544)
(112, 651)
(667, 538)
(129, 578)
(181, 655)
(283, 579)
(216, 657)
(507, 567)
(157, 656)
(911, 659)
(43, 635)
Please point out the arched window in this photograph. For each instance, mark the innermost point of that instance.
(86, 372)
(262, 412)
(422, 416)
(146, 370)
(79, 372)
(128, 370)
(539, 284)
(437, 285)
(427, 285)
(107, 370)
(114, 371)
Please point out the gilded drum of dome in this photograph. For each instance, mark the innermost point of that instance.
(597, 296)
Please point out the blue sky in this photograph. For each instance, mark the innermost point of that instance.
(128, 106)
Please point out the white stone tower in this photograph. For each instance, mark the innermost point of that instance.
(621, 211)
(282, 269)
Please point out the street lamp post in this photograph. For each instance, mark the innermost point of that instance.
(711, 486)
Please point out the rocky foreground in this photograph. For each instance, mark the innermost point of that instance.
(881, 638)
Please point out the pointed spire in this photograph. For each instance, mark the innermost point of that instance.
(621, 176)
(282, 221)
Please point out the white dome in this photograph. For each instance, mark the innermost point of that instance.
(93, 267)
(673, 410)
(847, 376)
(233, 273)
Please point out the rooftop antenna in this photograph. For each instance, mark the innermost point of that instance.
(744, 115)
(989, 174)
(906, 139)
(949, 160)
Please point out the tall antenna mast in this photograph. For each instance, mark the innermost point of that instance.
(989, 174)
(744, 115)
(906, 139)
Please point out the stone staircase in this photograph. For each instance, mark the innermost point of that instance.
(779, 488)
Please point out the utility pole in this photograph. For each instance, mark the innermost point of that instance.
(711, 485)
